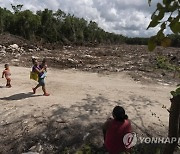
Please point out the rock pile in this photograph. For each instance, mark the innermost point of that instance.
(13, 52)
(14, 49)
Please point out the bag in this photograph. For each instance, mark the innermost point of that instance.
(34, 76)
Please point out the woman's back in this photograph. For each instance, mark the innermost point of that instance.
(114, 135)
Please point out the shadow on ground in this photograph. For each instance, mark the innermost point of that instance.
(19, 96)
(2, 86)
(67, 130)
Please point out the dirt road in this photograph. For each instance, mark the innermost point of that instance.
(79, 103)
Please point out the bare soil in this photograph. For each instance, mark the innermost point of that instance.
(85, 84)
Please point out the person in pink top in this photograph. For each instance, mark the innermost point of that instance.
(7, 75)
(114, 131)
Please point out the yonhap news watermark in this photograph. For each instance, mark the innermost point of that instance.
(131, 139)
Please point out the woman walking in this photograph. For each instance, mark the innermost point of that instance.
(40, 71)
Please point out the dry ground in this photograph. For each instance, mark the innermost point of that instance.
(85, 84)
(74, 112)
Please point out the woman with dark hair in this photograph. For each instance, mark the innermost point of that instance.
(40, 71)
(114, 131)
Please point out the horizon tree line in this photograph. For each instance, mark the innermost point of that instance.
(59, 27)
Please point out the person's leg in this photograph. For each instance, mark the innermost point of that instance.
(8, 84)
(42, 82)
(34, 89)
(44, 90)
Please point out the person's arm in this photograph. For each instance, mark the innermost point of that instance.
(106, 124)
(39, 70)
(3, 74)
(45, 68)
(128, 127)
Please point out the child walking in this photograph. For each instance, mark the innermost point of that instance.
(7, 75)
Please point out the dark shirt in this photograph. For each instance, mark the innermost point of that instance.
(34, 69)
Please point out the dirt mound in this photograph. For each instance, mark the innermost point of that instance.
(9, 39)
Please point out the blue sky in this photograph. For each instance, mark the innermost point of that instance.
(127, 17)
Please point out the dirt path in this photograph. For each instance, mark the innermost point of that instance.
(79, 102)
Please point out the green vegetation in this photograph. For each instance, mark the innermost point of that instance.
(164, 63)
(167, 14)
(62, 28)
(53, 27)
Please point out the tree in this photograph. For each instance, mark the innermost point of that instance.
(60, 16)
(47, 30)
(27, 24)
(5, 20)
(91, 31)
(80, 25)
(167, 14)
(68, 28)
(17, 8)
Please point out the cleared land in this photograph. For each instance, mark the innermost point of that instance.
(79, 103)
(85, 84)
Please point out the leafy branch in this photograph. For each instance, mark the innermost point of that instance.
(166, 15)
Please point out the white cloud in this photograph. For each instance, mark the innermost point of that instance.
(127, 17)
